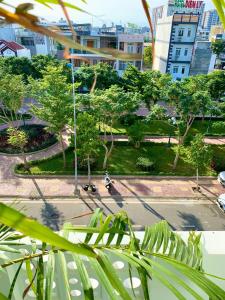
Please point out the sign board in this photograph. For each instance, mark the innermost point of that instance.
(189, 3)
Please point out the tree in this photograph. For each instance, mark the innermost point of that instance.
(136, 134)
(218, 47)
(103, 240)
(148, 57)
(158, 112)
(106, 76)
(152, 85)
(198, 154)
(188, 104)
(216, 84)
(87, 139)
(41, 62)
(18, 66)
(108, 106)
(54, 97)
(12, 93)
(18, 139)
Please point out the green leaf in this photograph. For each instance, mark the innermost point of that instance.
(32, 228)
(86, 283)
(50, 270)
(14, 282)
(103, 229)
(40, 279)
(112, 275)
(64, 274)
(3, 297)
(93, 223)
(30, 275)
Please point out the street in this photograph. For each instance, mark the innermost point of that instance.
(181, 214)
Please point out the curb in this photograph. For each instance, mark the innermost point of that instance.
(114, 177)
(29, 153)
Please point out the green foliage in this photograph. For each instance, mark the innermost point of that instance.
(106, 76)
(157, 112)
(17, 138)
(218, 47)
(145, 163)
(135, 134)
(198, 153)
(161, 254)
(87, 135)
(148, 57)
(54, 95)
(216, 84)
(12, 93)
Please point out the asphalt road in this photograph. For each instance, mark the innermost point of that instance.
(181, 214)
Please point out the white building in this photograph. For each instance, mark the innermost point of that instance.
(177, 6)
(10, 49)
(175, 38)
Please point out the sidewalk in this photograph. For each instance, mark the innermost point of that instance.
(136, 188)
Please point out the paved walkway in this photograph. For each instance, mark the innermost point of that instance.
(12, 186)
(165, 139)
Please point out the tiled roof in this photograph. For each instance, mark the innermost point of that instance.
(12, 45)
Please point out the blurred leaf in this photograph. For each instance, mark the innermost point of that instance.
(14, 282)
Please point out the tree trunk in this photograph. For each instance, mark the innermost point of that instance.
(25, 160)
(197, 179)
(106, 157)
(89, 170)
(108, 152)
(181, 141)
(63, 150)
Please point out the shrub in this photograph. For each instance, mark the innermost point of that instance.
(128, 120)
(135, 134)
(145, 164)
(218, 164)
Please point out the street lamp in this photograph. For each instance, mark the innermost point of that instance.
(76, 190)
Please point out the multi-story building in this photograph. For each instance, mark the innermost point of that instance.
(175, 39)
(7, 32)
(201, 58)
(177, 6)
(37, 43)
(210, 18)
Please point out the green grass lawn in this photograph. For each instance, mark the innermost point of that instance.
(123, 162)
(160, 127)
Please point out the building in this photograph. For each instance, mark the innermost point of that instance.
(201, 58)
(174, 45)
(202, 35)
(7, 32)
(216, 32)
(177, 6)
(133, 44)
(210, 18)
(10, 49)
(37, 43)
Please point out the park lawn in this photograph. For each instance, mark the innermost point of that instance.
(123, 162)
(162, 128)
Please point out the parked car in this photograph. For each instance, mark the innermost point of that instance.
(221, 178)
(221, 202)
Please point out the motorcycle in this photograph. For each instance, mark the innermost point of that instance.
(107, 181)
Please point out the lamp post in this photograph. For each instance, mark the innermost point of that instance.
(76, 190)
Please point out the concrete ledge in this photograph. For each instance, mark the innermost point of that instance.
(29, 153)
(114, 177)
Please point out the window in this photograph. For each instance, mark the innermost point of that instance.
(122, 65)
(183, 70)
(181, 32)
(138, 65)
(130, 48)
(178, 51)
(189, 32)
(122, 46)
(175, 69)
(185, 51)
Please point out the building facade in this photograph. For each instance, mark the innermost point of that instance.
(13, 49)
(201, 58)
(210, 18)
(174, 45)
(180, 7)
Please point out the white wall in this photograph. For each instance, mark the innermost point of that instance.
(8, 53)
(179, 74)
(24, 53)
(182, 57)
(185, 37)
(162, 42)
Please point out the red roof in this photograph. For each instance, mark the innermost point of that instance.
(12, 45)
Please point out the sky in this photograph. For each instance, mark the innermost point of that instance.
(102, 11)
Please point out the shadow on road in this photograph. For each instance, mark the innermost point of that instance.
(147, 206)
(50, 215)
(190, 222)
